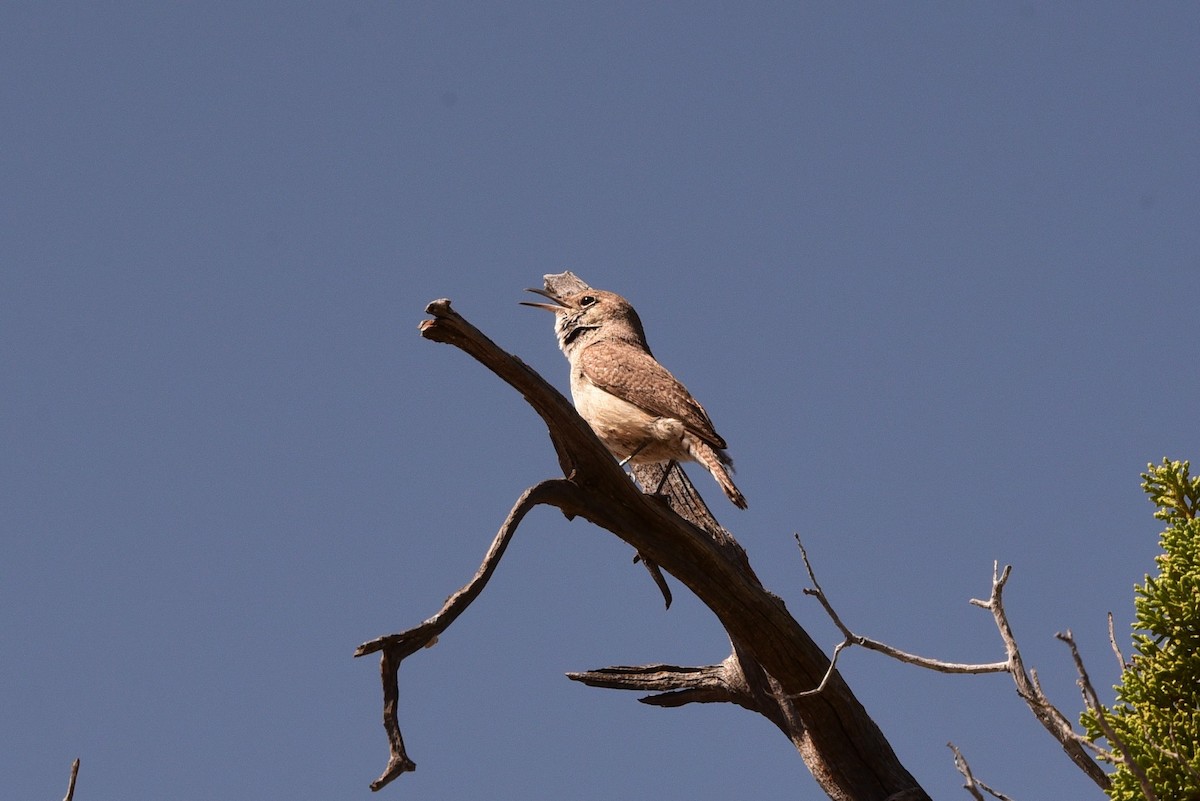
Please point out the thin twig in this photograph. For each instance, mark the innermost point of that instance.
(973, 785)
(421, 636)
(1030, 689)
(837, 651)
(960, 764)
(1102, 754)
(1112, 640)
(1092, 700)
(395, 647)
(875, 645)
(71, 784)
(1027, 685)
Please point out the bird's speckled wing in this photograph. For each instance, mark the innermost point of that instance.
(631, 374)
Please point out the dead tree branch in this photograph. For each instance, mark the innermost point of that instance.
(773, 658)
(395, 647)
(1092, 701)
(71, 784)
(1116, 649)
(875, 645)
(973, 785)
(675, 685)
(1028, 688)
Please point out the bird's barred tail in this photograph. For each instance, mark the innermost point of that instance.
(713, 463)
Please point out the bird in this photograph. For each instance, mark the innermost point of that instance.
(638, 409)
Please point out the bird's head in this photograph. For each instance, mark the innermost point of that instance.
(590, 314)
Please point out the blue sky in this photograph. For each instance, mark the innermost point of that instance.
(931, 267)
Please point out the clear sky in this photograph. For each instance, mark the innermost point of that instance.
(932, 267)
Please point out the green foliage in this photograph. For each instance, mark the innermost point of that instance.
(1157, 714)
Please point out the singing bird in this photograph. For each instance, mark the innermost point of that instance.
(641, 412)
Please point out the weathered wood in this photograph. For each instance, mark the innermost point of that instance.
(773, 658)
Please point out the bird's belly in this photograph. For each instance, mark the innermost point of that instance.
(625, 428)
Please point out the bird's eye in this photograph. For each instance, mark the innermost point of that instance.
(587, 300)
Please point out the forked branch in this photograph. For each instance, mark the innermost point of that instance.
(773, 656)
(426, 634)
(875, 645)
(1028, 688)
(973, 786)
(395, 647)
(1092, 701)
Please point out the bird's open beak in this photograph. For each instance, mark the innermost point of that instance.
(555, 307)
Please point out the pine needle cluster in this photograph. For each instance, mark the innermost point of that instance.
(1157, 714)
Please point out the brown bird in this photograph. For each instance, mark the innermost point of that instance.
(638, 409)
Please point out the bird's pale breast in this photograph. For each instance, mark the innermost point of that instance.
(624, 427)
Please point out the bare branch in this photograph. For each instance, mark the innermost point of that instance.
(1092, 700)
(960, 763)
(396, 647)
(1027, 685)
(773, 655)
(398, 759)
(657, 576)
(973, 785)
(820, 688)
(1116, 649)
(71, 784)
(883, 648)
(425, 634)
(677, 685)
(1030, 690)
